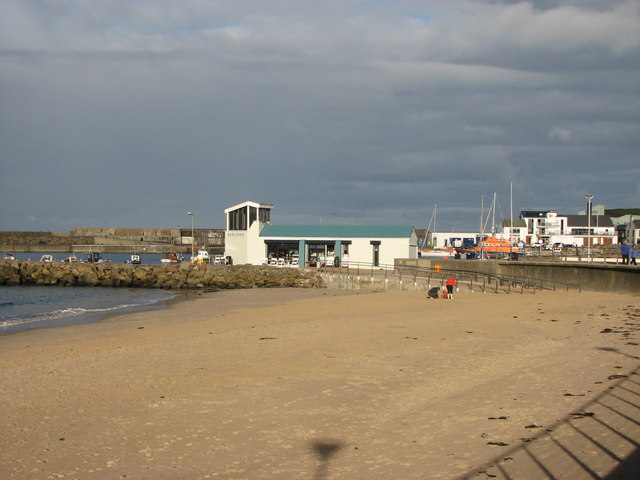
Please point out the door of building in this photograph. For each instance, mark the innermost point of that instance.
(376, 253)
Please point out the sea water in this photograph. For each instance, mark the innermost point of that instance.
(27, 307)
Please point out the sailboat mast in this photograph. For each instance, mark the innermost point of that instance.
(493, 220)
(433, 238)
(481, 217)
(432, 221)
(511, 205)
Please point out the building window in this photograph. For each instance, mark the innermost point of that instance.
(264, 215)
(238, 219)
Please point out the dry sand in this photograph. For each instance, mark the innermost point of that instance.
(321, 384)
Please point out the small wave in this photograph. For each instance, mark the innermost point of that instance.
(70, 312)
(54, 315)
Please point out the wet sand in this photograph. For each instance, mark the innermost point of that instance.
(325, 384)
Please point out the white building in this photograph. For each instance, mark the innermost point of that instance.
(632, 232)
(251, 238)
(245, 221)
(514, 231)
(549, 227)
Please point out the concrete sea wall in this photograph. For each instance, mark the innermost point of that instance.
(589, 276)
(175, 276)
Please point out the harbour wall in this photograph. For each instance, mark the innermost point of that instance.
(594, 277)
(174, 276)
(589, 276)
(113, 240)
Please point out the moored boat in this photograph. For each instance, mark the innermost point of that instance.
(95, 257)
(134, 259)
(202, 256)
(171, 257)
(437, 253)
(493, 246)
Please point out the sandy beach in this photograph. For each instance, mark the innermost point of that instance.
(327, 384)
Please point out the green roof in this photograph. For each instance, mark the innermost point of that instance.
(337, 231)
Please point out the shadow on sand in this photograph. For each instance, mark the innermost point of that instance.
(600, 440)
(324, 450)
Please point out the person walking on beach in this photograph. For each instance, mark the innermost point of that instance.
(624, 251)
(450, 284)
(633, 253)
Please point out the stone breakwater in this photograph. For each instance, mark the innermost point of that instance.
(176, 276)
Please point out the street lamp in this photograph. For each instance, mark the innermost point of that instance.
(589, 197)
(193, 238)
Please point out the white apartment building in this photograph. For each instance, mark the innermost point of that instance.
(549, 227)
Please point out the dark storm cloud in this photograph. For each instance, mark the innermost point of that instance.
(118, 113)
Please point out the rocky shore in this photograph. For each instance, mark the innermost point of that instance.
(179, 276)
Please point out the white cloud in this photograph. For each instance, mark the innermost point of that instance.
(559, 133)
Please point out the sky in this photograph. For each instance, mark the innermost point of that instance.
(122, 113)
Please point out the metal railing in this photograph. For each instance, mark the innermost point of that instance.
(573, 254)
(485, 282)
(491, 281)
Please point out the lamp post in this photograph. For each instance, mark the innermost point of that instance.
(589, 197)
(193, 238)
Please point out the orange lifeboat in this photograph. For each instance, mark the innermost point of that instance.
(493, 245)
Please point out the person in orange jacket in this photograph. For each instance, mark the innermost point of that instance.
(450, 284)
